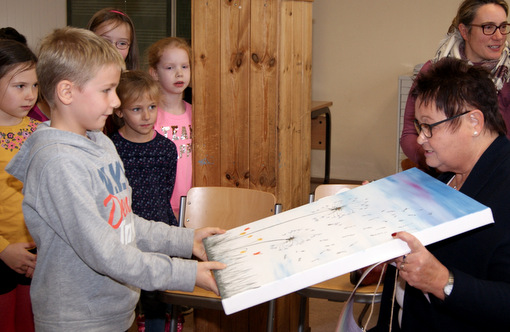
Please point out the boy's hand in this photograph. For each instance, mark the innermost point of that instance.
(17, 257)
(200, 234)
(205, 278)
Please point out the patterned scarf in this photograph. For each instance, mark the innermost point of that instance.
(453, 46)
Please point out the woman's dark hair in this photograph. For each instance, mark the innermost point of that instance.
(454, 87)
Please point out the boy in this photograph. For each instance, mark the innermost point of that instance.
(93, 253)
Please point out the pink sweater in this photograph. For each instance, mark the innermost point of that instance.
(178, 129)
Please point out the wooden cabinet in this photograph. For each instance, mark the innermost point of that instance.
(251, 78)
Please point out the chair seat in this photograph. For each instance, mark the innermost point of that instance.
(340, 288)
(225, 207)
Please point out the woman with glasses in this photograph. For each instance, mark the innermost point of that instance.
(461, 283)
(478, 34)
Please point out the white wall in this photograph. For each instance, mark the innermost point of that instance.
(360, 47)
(33, 18)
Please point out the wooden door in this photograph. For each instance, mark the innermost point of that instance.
(251, 78)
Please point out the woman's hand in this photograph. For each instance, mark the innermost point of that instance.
(17, 257)
(200, 234)
(420, 268)
(205, 278)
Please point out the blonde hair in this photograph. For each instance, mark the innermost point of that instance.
(72, 54)
(155, 51)
(134, 85)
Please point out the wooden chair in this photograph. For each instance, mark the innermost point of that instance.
(225, 207)
(407, 164)
(339, 288)
(321, 132)
(331, 189)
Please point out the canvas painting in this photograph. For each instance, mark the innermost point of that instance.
(315, 242)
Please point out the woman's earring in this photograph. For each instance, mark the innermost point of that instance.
(475, 133)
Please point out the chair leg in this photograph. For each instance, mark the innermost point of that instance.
(302, 313)
(270, 316)
(363, 313)
(174, 318)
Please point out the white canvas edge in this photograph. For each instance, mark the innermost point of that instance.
(380, 253)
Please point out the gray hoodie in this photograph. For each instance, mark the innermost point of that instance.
(93, 253)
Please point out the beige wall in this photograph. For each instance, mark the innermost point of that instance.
(33, 18)
(360, 47)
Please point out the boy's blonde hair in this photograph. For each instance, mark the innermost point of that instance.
(134, 85)
(155, 51)
(72, 54)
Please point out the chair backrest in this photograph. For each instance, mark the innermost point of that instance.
(226, 207)
(324, 190)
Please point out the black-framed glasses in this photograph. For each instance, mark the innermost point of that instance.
(427, 128)
(489, 28)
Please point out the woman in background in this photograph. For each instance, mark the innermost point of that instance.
(478, 34)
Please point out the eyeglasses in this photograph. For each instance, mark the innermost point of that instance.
(427, 128)
(120, 44)
(489, 29)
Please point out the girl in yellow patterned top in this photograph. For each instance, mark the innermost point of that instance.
(18, 94)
